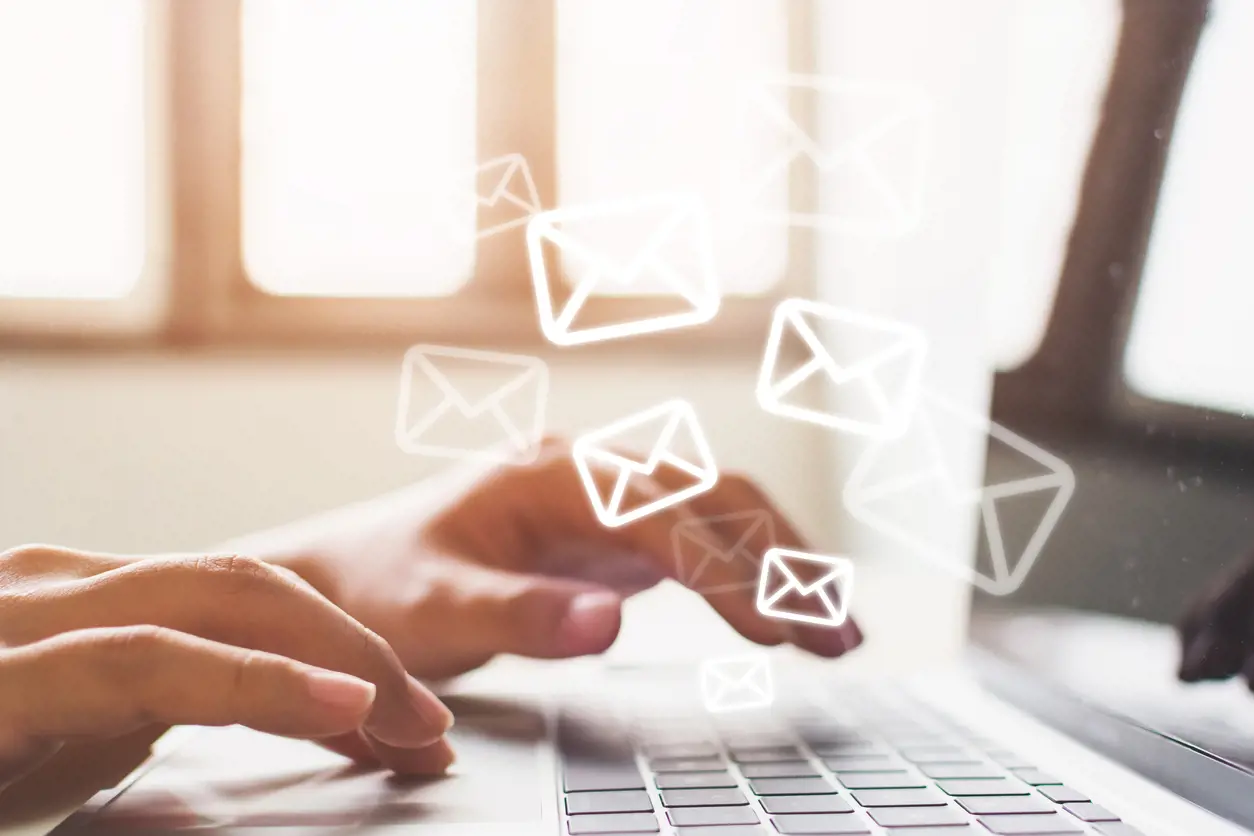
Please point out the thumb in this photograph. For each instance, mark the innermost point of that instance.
(534, 615)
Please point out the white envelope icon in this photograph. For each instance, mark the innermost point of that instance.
(867, 156)
(737, 683)
(695, 555)
(660, 247)
(809, 588)
(503, 193)
(903, 487)
(618, 483)
(867, 370)
(464, 403)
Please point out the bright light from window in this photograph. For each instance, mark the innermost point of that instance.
(1191, 339)
(651, 98)
(359, 117)
(72, 204)
(1060, 57)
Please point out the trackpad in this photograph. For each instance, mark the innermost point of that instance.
(228, 779)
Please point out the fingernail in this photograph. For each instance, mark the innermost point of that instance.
(590, 624)
(341, 691)
(429, 707)
(853, 635)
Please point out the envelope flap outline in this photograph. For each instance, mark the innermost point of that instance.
(420, 358)
(693, 530)
(509, 165)
(904, 105)
(901, 339)
(838, 569)
(676, 414)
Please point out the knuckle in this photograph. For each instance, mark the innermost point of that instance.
(240, 573)
(21, 560)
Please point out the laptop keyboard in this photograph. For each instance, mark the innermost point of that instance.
(888, 765)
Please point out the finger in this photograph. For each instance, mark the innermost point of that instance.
(1219, 625)
(352, 746)
(429, 761)
(110, 681)
(38, 564)
(249, 604)
(498, 611)
(736, 491)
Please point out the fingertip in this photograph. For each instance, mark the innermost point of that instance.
(340, 693)
(591, 623)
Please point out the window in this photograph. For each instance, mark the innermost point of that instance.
(1190, 338)
(284, 170)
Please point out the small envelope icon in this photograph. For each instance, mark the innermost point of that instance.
(463, 403)
(867, 155)
(695, 556)
(503, 193)
(911, 489)
(619, 484)
(867, 370)
(737, 683)
(659, 246)
(810, 588)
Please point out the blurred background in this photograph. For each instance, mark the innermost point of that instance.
(222, 223)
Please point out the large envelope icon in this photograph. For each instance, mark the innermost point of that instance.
(809, 588)
(618, 483)
(737, 683)
(865, 370)
(503, 194)
(866, 154)
(441, 414)
(696, 556)
(659, 246)
(912, 488)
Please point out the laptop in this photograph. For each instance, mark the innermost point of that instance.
(1065, 716)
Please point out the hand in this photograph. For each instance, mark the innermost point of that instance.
(1217, 632)
(511, 559)
(98, 646)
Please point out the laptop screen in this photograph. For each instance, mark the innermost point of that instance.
(1139, 597)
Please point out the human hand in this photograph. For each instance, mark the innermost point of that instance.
(511, 559)
(1217, 631)
(99, 646)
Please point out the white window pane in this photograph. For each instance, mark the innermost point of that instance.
(1060, 56)
(1191, 340)
(71, 148)
(651, 98)
(358, 117)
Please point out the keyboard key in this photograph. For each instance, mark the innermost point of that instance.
(993, 786)
(937, 754)
(868, 763)
(1010, 760)
(613, 823)
(783, 769)
(899, 798)
(693, 816)
(741, 830)
(1117, 829)
(1042, 824)
(960, 770)
(704, 798)
(695, 780)
(913, 817)
(1063, 795)
(1000, 805)
(881, 781)
(777, 804)
(681, 750)
(791, 786)
(1088, 811)
(953, 830)
(848, 749)
(687, 765)
(821, 824)
(614, 801)
(591, 776)
(774, 753)
(1035, 777)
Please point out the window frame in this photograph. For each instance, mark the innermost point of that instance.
(196, 291)
(1074, 383)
